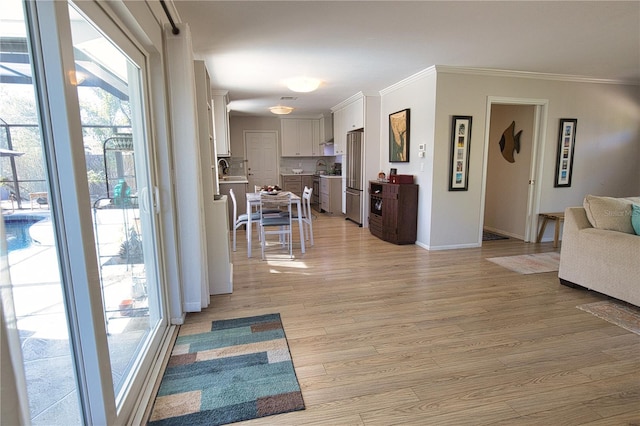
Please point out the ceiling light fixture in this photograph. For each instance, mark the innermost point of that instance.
(281, 110)
(303, 84)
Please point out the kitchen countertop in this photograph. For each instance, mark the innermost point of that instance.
(331, 176)
(298, 174)
(230, 181)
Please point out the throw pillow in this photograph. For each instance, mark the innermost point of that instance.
(635, 218)
(613, 214)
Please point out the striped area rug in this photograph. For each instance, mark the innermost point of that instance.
(240, 370)
(619, 313)
(529, 263)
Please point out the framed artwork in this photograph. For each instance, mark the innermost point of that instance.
(460, 144)
(399, 136)
(566, 146)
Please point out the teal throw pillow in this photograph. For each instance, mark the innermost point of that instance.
(635, 218)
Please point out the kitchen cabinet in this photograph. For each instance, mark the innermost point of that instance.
(221, 123)
(218, 260)
(339, 133)
(296, 183)
(205, 129)
(393, 212)
(331, 194)
(345, 119)
(300, 137)
(354, 115)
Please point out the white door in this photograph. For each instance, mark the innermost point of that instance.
(262, 158)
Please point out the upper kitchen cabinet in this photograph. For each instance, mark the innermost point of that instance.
(347, 117)
(205, 128)
(221, 122)
(300, 137)
(354, 115)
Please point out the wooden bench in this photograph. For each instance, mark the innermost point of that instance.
(558, 218)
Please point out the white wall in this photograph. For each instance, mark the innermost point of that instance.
(417, 93)
(508, 183)
(607, 142)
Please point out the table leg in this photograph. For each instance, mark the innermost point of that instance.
(299, 206)
(248, 231)
(556, 233)
(542, 228)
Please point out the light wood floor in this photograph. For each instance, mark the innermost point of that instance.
(383, 334)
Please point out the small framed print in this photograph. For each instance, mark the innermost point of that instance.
(566, 147)
(460, 144)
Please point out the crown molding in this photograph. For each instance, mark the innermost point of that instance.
(491, 72)
(417, 76)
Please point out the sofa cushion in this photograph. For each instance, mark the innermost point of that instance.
(612, 214)
(635, 218)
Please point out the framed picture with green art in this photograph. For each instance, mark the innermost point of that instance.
(399, 137)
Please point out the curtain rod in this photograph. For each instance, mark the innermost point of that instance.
(175, 30)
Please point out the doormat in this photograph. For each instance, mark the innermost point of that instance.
(240, 370)
(492, 236)
(618, 313)
(529, 263)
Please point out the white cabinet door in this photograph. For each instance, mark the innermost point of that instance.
(339, 132)
(305, 138)
(317, 138)
(354, 113)
(289, 138)
(299, 137)
(221, 123)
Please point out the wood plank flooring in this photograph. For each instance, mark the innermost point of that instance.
(383, 334)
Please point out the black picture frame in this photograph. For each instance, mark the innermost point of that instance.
(460, 149)
(399, 131)
(566, 147)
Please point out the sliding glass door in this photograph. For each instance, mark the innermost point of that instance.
(95, 258)
(109, 80)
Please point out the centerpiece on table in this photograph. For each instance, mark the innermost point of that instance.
(270, 189)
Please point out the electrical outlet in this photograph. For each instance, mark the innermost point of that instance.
(422, 147)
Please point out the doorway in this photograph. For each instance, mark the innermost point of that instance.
(262, 157)
(510, 196)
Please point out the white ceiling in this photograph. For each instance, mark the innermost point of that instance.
(251, 47)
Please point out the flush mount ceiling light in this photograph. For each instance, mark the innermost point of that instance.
(303, 84)
(281, 110)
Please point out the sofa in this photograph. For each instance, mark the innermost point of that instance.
(600, 248)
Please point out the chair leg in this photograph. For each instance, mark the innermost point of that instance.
(311, 230)
(234, 238)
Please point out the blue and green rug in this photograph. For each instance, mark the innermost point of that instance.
(239, 370)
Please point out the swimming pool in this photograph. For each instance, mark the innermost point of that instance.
(16, 227)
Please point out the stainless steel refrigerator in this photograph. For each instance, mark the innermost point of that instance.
(355, 150)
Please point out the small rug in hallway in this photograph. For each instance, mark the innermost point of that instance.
(491, 236)
(529, 263)
(240, 370)
(618, 313)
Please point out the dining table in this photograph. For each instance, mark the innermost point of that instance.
(253, 200)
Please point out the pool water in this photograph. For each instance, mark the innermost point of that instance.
(17, 232)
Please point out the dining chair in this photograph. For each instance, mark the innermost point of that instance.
(276, 223)
(307, 218)
(240, 220)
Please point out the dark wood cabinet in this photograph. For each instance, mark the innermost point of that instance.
(393, 211)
